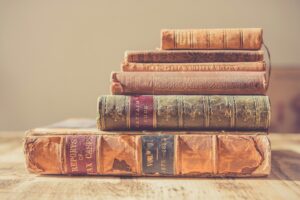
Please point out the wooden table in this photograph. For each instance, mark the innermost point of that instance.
(17, 183)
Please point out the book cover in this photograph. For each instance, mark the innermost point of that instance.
(193, 56)
(185, 83)
(184, 67)
(245, 38)
(193, 154)
(188, 112)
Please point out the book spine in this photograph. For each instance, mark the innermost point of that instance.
(195, 56)
(247, 39)
(149, 155)
(167, 112)
(182, 67)
(184, 83)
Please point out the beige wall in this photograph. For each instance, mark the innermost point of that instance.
(56, 56)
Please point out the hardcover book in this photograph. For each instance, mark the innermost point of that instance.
(194, 154)
(185, 83)
(195, 112)
(245, 38)
(182, 67)
(193, 56)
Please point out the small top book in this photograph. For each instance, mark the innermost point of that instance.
(242, 39)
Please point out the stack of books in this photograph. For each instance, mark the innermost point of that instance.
(196, 107)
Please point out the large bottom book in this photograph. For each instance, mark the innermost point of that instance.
(193, 154)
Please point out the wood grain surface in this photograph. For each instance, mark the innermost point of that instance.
(17, 183)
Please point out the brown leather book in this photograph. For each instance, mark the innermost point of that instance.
(187, 112)
(245, 38)
(193, 56)
(184, 83)
(193, 154)
(182, 67)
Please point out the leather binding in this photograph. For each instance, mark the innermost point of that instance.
(243, 39)
(193, 154)
(194, 112)
(193, 56)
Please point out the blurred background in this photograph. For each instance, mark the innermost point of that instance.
(56, 56)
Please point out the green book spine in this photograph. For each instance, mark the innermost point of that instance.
(187, 112)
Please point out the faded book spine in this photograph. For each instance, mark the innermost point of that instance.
(167, 112)
(185, 83)
(148, 154)
(182, 67)
(247, 39)
(193, 56)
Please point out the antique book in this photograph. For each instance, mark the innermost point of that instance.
(192, 154)
(193, 56)
(170, 67)
(245, 38)
(212, 82)
(187, 112)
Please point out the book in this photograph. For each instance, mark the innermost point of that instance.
(245, 38)
(194, 112)
(184, 83)
(192, 154)
(193, 56)
(170, 67)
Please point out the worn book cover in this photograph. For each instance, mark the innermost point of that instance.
(188, 112)
(193, 56)
(76, 151)
(185, 83)
(182, 67)
(243, 38)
